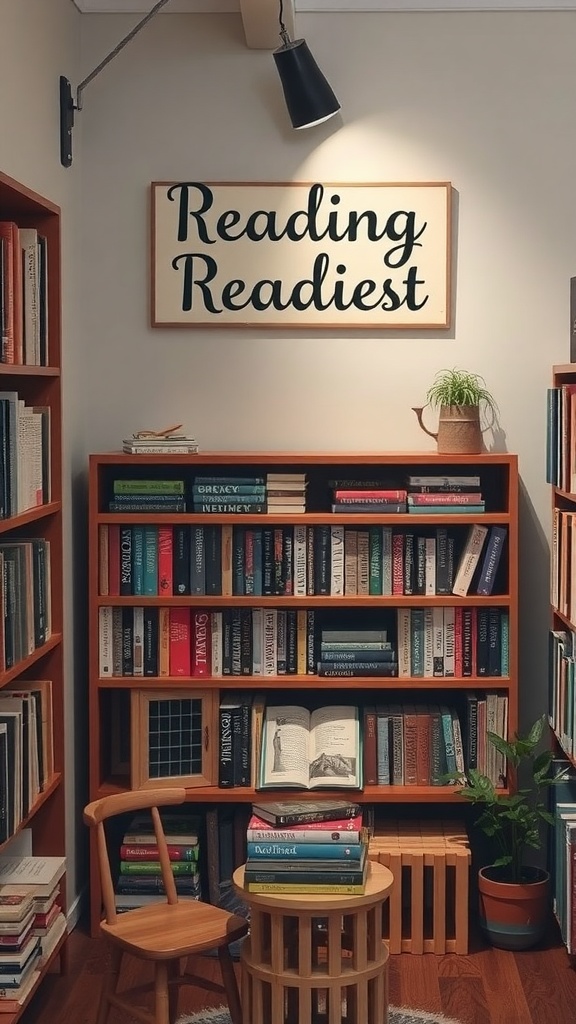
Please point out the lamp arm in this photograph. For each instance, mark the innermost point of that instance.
(120, 46)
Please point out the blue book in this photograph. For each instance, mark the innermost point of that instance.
(212, 490)
(137, 560)
(448, 737)
(492, 555)
(305, 851)
(252, 481)
(247, 498)
(213, 560)
(151, 561)
(238, 561)
(447, 510)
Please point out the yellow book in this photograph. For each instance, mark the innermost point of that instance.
(226, 561)
(164, 640)
(301, 635)
(297, 888)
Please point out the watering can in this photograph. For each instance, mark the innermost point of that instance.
(459, 431)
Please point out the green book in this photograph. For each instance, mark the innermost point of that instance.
(375, 560)
(148, 487)
(152, 867)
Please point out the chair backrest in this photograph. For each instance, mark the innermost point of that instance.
(96, 813)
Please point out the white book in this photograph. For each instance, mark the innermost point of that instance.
(216, 643)
(270, 631)
(404, 641)
(105, 641)
(386, 561)
(31, 295)
(428, 643)
(300, 581)
(449, 641)
(257, 642)
(138, 641)
(337, 561)
(458, 744)
(430, 565)
(350, 562)
(469, 559)
(363, 562)
(438, 641)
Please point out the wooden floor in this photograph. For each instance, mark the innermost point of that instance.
(489, 986)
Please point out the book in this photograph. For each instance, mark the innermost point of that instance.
(308, 750)
(41, 874)
(292, 812)
(340, 831)
(312, 876)
(305, 887)
(491, 561)
(469, 559)
(277, 849)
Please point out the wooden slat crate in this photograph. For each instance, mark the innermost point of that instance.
(427, 911)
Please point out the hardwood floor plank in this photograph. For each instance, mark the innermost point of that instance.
(488, 987)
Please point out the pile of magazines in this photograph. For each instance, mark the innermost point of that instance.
(147, 442)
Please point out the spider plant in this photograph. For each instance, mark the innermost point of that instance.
(458, 387)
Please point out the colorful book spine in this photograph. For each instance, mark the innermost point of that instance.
(306, 851)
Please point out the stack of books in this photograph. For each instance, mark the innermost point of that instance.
(378, 496)
(147, 496)
(229, 494)
(356, 652)
(313, 847)
(31, 923)
(140, 879)
(172, 444)
(286, 492)
(459, 495)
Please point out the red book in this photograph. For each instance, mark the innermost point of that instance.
(458, 641)
(370, 747)
(180, 645)
(11, 331)
(359, 496)
(202, 656)
(113, 560)
(151, 852)
(165, 570)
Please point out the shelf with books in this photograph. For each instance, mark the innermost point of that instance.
(31, 613)
(172, 592)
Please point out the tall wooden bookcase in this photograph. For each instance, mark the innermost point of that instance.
(40, 386)
(110, 734)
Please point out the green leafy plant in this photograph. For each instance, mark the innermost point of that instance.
(458, 387)
(513, 822)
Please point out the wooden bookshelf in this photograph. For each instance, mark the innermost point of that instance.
(499, 484)
(40, 386)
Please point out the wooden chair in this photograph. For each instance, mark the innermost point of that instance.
(164, 933)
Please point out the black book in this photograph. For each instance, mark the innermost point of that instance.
(291, 642)
(181, 560)
(236, 642)
(226, 747)
(322, 566)
(238, 561)
(246, 641)
(213, 556)
(294, 812)
(13, 727)
(125, 561)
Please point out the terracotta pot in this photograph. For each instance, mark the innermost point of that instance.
(513, 915)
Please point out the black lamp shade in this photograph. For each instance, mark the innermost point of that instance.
(308, 96)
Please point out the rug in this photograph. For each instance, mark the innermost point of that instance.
(396, 1015)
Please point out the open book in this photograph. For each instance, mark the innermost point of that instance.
(304, 749)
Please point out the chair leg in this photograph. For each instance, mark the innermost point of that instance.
(161, 997)
(230, 984)
(110, 985)
(174, 976)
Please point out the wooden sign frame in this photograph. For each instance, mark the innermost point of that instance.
(301, 255)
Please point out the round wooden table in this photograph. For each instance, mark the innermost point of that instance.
(312, 959)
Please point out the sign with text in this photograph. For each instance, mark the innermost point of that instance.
(300, 255)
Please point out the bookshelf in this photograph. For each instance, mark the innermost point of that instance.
(119, 701)
(31, 648)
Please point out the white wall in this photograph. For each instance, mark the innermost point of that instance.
(477, 99)
(39, 41)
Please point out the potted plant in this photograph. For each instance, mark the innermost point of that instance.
(513, 896)
(458, 395)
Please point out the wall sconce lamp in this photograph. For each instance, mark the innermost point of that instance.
(67, 103)
(309, 98)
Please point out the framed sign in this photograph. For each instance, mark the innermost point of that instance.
(300, 255)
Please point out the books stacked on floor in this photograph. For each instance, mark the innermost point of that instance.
(356, 652)
(286, 492)
(229, 494)
(171, 444)
(140, 879)
(31, 923)
(459, 495)
(147, 496)
(312, 847)
(378, 496)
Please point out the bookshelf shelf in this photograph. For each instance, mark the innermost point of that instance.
(31, 385)
(115, 696)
